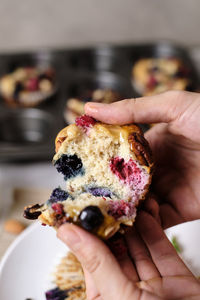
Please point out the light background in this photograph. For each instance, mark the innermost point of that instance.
(31, 24)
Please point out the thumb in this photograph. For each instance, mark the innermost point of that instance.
(97, 259)
(163, 108)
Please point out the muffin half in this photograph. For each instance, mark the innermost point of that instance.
(107, 170)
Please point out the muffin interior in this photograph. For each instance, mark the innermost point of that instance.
(107, 163)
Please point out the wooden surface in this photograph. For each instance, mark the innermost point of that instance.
(21, 198)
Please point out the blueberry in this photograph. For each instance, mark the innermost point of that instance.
(43, 76)
(99, 191)
(91, 217)
(56, 294)
(58, 195)
(18, 89)
(155, 68)
(69, 165)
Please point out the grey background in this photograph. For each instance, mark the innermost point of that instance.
(31, 24)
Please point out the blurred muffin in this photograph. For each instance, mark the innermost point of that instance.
(152, 76)
(75, 107)
(27, 86)
(69, 280)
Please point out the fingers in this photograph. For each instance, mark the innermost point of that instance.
(169, 216)
(163, 108)
(162, 252)
(156, 135)
(128, 268)
(152, 207)
(141, 257)
(97, 259)
(91, 290)
(118, 247)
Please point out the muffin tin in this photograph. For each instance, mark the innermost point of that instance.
(29, 133)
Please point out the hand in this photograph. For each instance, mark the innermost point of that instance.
(175, 143)
(151, 271)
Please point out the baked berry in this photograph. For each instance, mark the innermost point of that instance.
(58, 208)
(18, 89)
(32, 84)
(100, 191)
(126, 171)
(69, 166)
(43, 76)
(155, 69)
(182, 72)
(152, 82)
(58, 195)
(91, 217)
(56, 294)
(85, 122)
(117, 166)
(32, 212)
(121, 208)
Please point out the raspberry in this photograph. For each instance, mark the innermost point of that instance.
(32, 84)
(85, 122)
(126, 171)
(117, 165)
(152, 82)
(121, 208)
(58, 208)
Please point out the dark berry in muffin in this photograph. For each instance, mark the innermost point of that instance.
(58, 195)
(91, 217)
(69, 165)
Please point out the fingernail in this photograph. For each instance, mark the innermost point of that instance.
(69, 236)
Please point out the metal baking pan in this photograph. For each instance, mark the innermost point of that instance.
(82, 84)
(102, 58)
(29, 133)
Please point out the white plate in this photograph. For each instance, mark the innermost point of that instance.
(188, 237)
(25, 268)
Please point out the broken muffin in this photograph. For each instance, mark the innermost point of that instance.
(107, 170)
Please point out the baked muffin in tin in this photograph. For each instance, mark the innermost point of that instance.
(28, 86)
(152, 76)
(75, 106)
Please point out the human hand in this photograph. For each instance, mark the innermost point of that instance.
(151, 271)
(175, 143)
